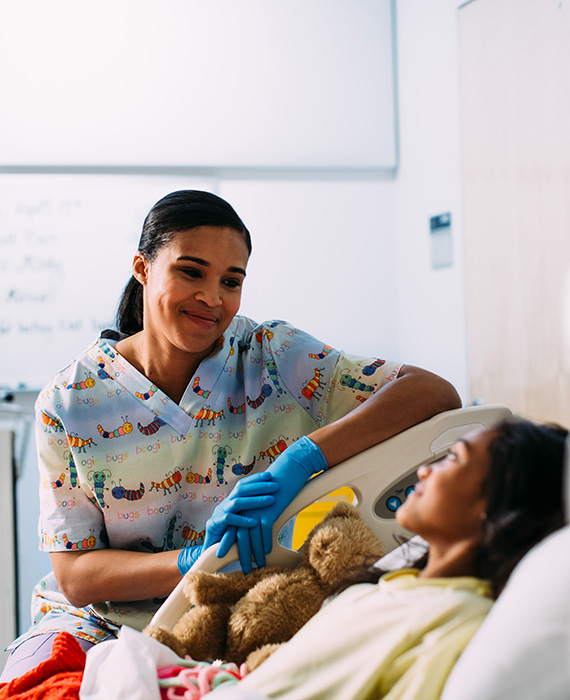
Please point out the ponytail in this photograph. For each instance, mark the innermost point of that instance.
(129, 317)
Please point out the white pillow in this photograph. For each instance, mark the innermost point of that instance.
(522, 650)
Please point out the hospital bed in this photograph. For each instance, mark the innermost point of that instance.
(521, 651)
(380, 478)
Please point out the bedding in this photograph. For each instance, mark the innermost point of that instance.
(522, 650)
(137, 667)
(409, 634)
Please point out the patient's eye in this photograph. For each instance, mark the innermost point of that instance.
(450, 456)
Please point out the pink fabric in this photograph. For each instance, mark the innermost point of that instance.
(193, 681)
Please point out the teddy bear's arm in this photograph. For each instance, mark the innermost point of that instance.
(166, 637)
(202, 588)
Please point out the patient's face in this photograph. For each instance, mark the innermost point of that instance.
(447, 505)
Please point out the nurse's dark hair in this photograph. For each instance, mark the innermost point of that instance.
(525, 503)
(176, 212)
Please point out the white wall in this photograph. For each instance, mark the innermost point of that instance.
(431, 303)
(348, 255)
(349, 258)
(378, 293)
(323, 259)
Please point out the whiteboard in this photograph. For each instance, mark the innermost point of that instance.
(66, 246)
(215, 83)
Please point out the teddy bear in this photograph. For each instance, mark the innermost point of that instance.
(243, 618)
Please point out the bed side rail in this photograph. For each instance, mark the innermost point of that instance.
(379, 477)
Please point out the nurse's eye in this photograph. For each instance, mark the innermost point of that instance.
(233, 283)
(192, 272)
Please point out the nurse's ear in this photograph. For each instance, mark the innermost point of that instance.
(140, 268)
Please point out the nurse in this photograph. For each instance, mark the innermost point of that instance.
(188, 425)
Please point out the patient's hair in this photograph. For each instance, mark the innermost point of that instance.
(524, 488)
(176, 212)
(525, 503)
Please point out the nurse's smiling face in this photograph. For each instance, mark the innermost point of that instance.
(192, 289)
(448, 503)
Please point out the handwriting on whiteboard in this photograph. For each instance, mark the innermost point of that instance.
(66, 247)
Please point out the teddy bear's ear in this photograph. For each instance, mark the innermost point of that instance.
(342, 545)
(342, 509)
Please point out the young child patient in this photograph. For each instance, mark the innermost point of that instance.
(397, 635)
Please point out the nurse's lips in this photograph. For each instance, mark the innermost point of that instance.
(202, 319)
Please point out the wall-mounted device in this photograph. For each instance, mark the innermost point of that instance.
(441, 242)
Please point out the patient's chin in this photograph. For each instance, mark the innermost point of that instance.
(401, 516)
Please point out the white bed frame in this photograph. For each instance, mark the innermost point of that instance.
(376, 476)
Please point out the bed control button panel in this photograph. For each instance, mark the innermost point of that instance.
(392, 498)
(393, 503)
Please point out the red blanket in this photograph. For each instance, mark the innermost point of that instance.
(53, 679)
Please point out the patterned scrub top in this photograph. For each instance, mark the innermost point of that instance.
(123, 466)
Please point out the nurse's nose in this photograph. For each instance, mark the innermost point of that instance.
(209, 294)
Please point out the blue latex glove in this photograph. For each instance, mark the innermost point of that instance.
(291, 470)
(249, 494)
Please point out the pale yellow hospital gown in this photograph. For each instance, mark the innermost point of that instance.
(397, 640)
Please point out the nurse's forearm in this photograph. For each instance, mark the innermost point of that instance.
(114, 574)
(414, 396)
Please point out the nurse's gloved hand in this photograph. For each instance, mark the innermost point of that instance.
(291, 470)
(187, 557)
(251, 493)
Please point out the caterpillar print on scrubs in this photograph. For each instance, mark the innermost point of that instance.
(148, 472)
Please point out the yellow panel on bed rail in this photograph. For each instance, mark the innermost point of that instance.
(313, 514)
